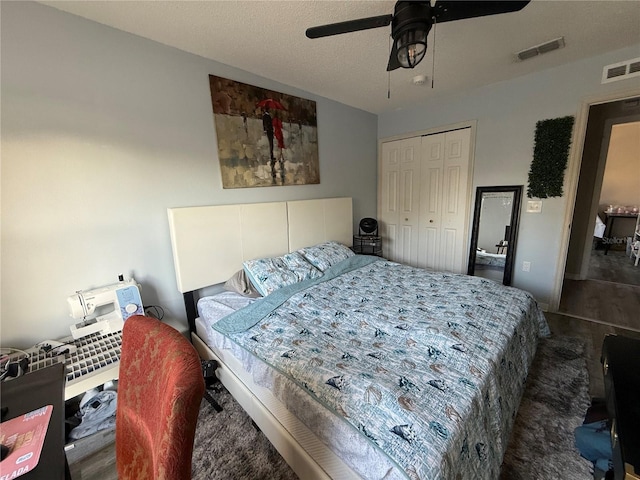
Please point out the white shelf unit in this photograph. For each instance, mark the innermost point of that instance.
(94, 360)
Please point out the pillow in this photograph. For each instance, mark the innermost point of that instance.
(270, 274)
(239, 283)
(326, 254)
(300, 267)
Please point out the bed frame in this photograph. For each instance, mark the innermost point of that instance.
(209, 245)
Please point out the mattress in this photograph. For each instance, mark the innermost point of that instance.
(435, 387)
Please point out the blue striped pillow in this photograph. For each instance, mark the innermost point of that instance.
(326, 254)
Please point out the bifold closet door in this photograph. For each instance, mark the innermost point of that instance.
(399, 199)
(424, 200)
(444, 201)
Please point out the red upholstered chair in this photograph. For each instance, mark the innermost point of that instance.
(159, 394)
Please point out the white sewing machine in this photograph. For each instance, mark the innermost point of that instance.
(104, 309)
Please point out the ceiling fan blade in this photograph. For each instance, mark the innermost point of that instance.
(450, 10)
(393, 59)
(349, 26)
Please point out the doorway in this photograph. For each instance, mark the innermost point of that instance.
(600, 281)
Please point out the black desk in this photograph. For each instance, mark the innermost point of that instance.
(502, 247)
(621, 367)
(29, 392)
(609, 227)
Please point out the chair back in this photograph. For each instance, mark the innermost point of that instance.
(160, 388)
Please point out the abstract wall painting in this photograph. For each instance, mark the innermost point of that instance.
(265, 138)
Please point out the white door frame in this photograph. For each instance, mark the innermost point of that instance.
(597, 190)
(472, 124)
(571, 181)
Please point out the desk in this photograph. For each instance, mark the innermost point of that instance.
(29, 392)
(621, 367)
(502, 248)
(610, 218)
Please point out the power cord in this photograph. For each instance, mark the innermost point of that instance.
(14, 365)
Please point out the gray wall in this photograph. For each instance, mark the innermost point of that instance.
(621, 181)
(507, 113)
(102, 131)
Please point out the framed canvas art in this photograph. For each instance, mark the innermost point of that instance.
(265, 138)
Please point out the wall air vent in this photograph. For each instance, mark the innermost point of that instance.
(621, 71)
(546, 47)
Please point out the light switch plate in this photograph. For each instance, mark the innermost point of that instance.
(534, 206)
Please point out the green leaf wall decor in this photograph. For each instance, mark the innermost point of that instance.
(550, 153)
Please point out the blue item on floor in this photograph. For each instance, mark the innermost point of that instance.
(594, 443)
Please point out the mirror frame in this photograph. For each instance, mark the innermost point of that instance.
(513, 233)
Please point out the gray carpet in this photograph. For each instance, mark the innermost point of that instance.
(554, 403)
(227, 446)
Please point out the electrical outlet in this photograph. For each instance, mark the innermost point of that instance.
(526, 266)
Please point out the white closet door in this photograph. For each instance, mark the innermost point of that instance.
(455, 202)
(399, 199)
(424, 200)
(444, 201)
(430, 222)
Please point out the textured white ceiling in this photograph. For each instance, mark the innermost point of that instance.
(267, 38)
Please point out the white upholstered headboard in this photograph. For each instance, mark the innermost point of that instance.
(210, 243)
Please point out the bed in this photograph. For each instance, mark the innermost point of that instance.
(443, 357)
(486, 259)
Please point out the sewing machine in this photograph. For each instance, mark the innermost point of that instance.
(104, 309)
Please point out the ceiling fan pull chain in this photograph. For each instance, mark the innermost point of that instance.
(389, 75)
(433, 58)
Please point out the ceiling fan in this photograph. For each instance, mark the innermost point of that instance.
(411, 22)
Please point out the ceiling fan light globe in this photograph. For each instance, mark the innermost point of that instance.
(412, 47)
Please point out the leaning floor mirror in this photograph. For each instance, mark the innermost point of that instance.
(495, 232)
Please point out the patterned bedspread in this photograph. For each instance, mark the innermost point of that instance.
(430, 367)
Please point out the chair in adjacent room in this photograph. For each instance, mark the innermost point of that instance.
(159, 393)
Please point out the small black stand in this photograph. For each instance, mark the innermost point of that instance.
(368, 242)
(367, 245)
(208, 372)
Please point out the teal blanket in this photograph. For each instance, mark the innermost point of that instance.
(429, 367)
(252, 314)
